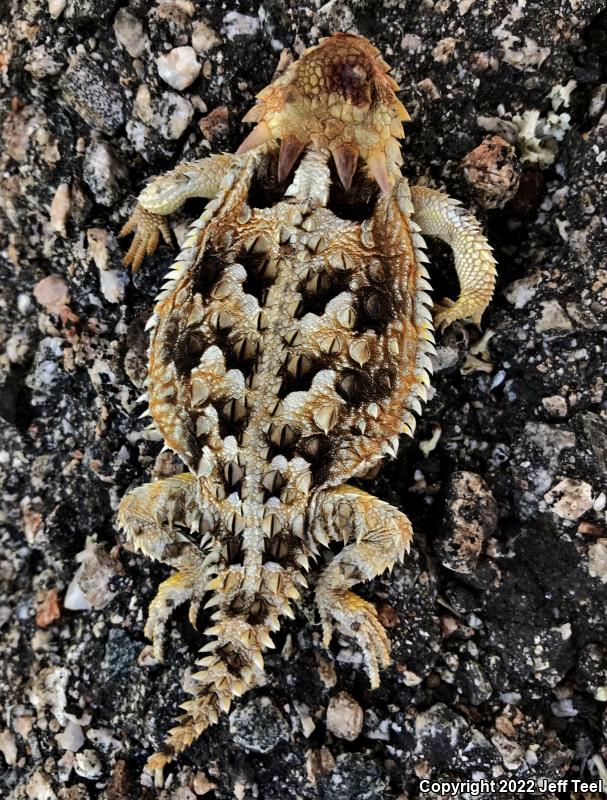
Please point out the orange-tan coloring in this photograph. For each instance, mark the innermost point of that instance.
(337, 96)
(290, 348)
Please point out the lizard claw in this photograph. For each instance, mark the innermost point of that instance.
(177, 589)
(148, 227)
(357, 619)
(446, 312)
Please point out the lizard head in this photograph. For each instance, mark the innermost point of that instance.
(337, 96)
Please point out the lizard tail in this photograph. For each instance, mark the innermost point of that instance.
(232, 663)
(224, 676)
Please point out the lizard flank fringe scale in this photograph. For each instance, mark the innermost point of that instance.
(290, 348)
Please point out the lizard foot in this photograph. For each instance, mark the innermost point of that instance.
(446, 312)
(356, 618)
(148, 228)
(177, 589)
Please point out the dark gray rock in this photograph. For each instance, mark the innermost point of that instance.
(258, 726)
(85, 12)
(447, 741)
(120, 654)
(474, 683)
(355, 777)
(93, 95)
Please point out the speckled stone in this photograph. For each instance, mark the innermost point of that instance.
(258, 725)
(96, 98)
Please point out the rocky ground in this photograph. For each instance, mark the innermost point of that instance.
(498, 618)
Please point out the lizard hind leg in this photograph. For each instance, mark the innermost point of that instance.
(179, 588)
(154, 518)
(376, 537)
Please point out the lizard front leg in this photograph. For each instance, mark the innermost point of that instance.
(376, 537)
(166, 194)
(439, 215)
(157, 519)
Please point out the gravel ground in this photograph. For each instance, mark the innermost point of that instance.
(498, 617)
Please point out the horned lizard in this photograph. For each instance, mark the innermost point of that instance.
(290, 348)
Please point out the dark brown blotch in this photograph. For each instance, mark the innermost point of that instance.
(314, 448)
(208, 270)
(282, 549)
(348, 385)
(273, 481)
(355, 386)
(234, 412)
(240, 353)
(257, 611)
(359, 387)
(232, 551)
(374, 309)
(298, 372)
(351, 78)
(357, 204)
(298, 364)
(245, 351)
(222, 321)
(232, 417)
(208, 523)
(188, 351)
(319, 289)
(254, 609)
(317, 450)
(174, 550)
(282, 436)
(168, 335)
(265, 190)
(233, 474)
(261, 273)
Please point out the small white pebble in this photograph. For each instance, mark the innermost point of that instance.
(597, 560)
(570, 498)
(236, 24)
(129, 32)
(600, 502)
(72, 738)
(24, 303)
(88, 764)
(56, 8)
(411, 42)
(179, 68)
